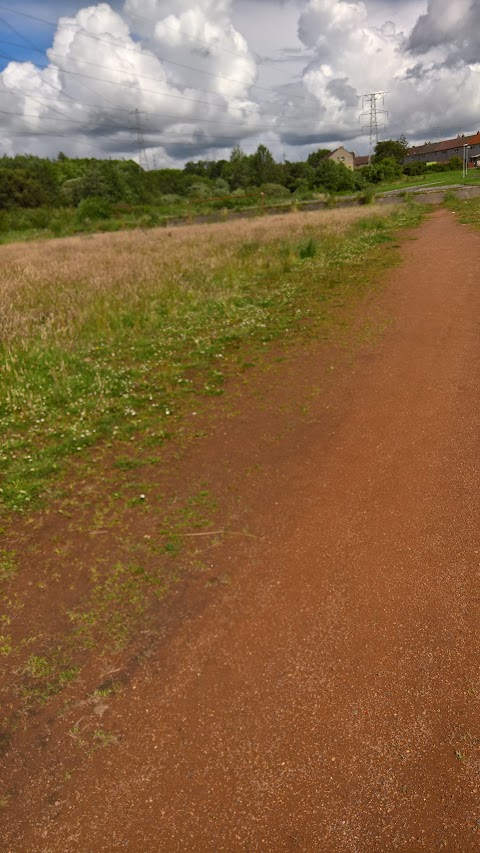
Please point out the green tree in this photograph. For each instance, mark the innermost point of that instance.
(264, 168)
(336, 177)
(315, 157)
(386, 170)
(394, 148)
(238, 170)
(297, 176)
(19, 189)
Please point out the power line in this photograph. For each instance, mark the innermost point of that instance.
(118, 128)
(142, 90)
(32, 96)
(106, 67)
(38, 50)
(114, 127)
(131, 88)
(68, 120)
(131, 49)
(90, 126)
(119, 71)
(180, 119)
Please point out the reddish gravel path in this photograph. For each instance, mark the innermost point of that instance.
(328, 700)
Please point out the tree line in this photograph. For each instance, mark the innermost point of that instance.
(27, 181)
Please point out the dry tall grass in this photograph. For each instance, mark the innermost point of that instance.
(53, 287)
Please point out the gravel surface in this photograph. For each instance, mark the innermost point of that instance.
(326, 700)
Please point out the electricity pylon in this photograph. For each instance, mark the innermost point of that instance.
(372, 116)
(142, 152)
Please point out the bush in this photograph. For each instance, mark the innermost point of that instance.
(367, 196)
(221, 188)
(335, 177)
(171, 198)
(438, 167)
(275, 191)
(455, 163)
(93, 208)
(413, 169)
(200, 191)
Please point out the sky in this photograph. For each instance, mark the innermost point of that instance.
(167, 81)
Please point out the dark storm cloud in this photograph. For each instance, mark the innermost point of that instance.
(453, 26)
(342, 91)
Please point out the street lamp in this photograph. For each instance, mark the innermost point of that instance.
(465, 160)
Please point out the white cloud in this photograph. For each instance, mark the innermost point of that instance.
(193, 71)
(352, 57)
(101, 81)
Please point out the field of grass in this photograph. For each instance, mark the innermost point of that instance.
(113, 336)
(434, 179)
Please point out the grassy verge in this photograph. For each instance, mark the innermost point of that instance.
(468, 211)
(114, 337)
(433, 179)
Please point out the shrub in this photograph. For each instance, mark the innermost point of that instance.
(93, 208)
(199, 190)
(171, 198)
(413, 169)
(438, 167)
(221, 188)
(367, 196)
(455, 163)
(275, 191)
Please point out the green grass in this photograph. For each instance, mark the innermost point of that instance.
(44, 677)
(132, 367)
(8, 565)
(434, 179)
(129, 368)
(468, 211)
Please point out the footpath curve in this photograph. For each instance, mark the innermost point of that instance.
(328, 701)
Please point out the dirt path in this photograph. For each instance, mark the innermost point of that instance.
(327, 700)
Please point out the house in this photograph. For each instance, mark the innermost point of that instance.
(442, 152)
(341, 155)
(358, 162)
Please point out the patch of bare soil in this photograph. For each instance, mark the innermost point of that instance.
(314, 685)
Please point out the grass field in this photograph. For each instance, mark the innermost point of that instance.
(111, 336)
(434, 179)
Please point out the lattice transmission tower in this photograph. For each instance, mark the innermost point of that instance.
(372, 116)
(142, 151)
